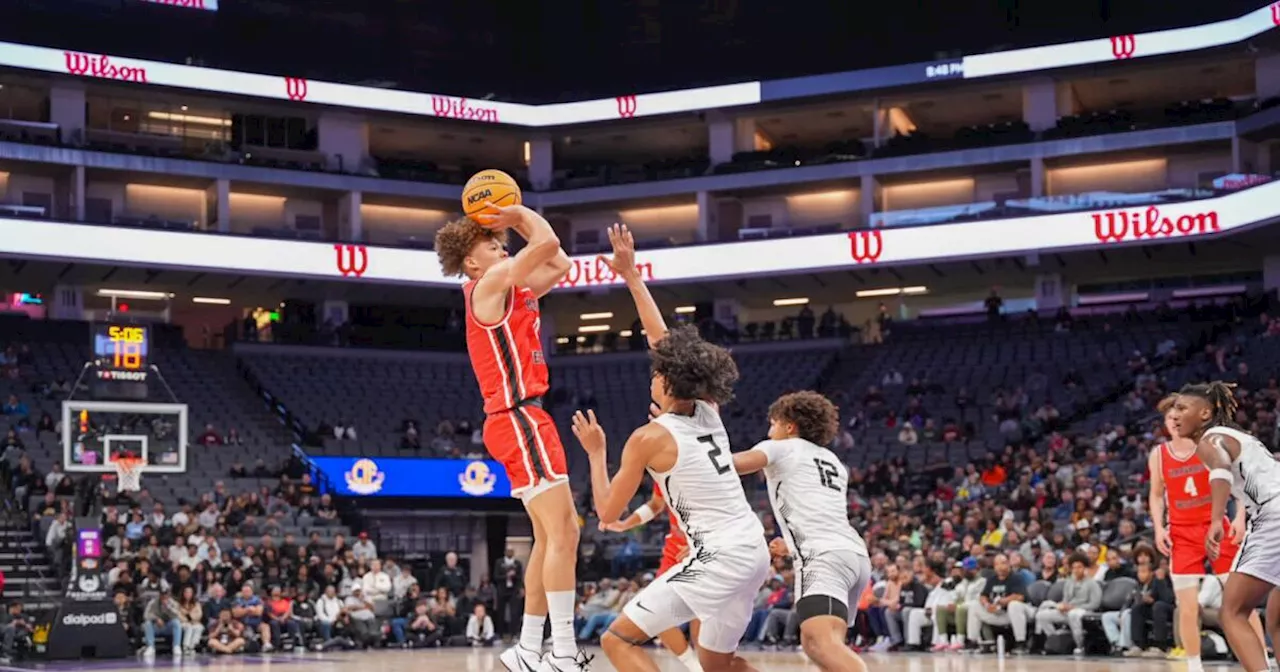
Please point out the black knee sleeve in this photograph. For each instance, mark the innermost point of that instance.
(628, 640)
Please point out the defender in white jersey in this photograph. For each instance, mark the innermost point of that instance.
(1238, 465)
(686, 450)
(809, 490)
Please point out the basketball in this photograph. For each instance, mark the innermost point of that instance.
(488, 186)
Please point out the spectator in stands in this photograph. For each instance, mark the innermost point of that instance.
(1002, 604)
(14, 408)
(209, 437)
(162, 613)
(443, 610)
(450, 576)
(601, 603)
(57, 539)
(344, 431)
(480, 627)
(280, 618)
(328, 608)
(249, 610)
(13, 626)
(912, 595)
(376, 583)
(401, 579)
(227, 636)
(364, 549)
(191, 618)
(907, 435)
(364, 624)
(1081, 596)
(1152, 601)
(778, 610)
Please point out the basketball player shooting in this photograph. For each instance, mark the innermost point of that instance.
(675, 547)
(501, 294)
(1240, 466)
(686, 450)
(809, 490)
(1181, 481)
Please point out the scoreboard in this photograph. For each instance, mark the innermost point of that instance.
(121, 360)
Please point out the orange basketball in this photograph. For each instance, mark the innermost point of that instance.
(489, 186)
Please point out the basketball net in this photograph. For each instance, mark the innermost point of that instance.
(128, 474)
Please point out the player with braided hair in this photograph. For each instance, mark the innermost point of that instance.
(1180, 509)
(1240, 466)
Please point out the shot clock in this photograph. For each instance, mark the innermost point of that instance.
(120, 359)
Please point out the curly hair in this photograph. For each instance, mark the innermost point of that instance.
(455, 240)
(1080, 558)
(817, 420)
(1222, 401)
(693, 368)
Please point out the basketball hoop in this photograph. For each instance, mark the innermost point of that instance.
(128, 473)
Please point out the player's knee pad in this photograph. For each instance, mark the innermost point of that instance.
(821, 605)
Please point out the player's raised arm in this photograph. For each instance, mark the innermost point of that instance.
(539, 266)
(623, 263)
(611, 495)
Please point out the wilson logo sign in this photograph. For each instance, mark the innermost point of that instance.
(94, 65)
(1122, 225)
(459, 108)
(295, 88)
(352, 260)
(1124, 46)
(596, 273)
(865, 247)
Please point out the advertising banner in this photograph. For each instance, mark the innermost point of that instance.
(413, 477)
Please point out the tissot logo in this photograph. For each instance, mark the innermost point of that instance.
(458, 108)
(352, 259)
(627, 106)
(865, 246)
(295, 88)
(93, 65)
(1124, 46)
(595, 272)
(1122, 225)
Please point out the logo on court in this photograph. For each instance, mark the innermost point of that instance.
(295, 88)
(476, 480)
(352, 259)
(1121, 225)
(627, 106)
(1124, 46)
(865, 246)
(364, 478)
(91, 65)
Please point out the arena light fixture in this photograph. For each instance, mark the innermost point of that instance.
(683, 310)
(799, 301)
(211, 300)
(592, 328)
(563, 340)
(625, 333)
(596, 316)
(134, 294)
(870, 293)
(918, 289)
(582, 339)
(189, 118)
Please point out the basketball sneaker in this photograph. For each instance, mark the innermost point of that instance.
(519, 659)
(1178, 653)
(578, 663)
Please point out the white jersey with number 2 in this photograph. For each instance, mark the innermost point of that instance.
(809, 490)
(702, 488)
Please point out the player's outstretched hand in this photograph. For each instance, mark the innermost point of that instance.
(503, 216)
(589, 432)
(623, 261)
(1163, 543)
(778, 548)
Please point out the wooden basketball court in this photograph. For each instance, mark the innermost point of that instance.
(486, 660)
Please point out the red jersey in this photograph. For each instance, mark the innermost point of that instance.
(507, 356)
(1186, 488)
(675, 536)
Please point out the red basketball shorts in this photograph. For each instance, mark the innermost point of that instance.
(526, 442)
(1189, 554)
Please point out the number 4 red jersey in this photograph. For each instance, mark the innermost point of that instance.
(1186, 488)
(507, 356)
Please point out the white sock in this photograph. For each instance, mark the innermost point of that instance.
(690, 660)
(1194, 664)
(564, 643)
(531, 632)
